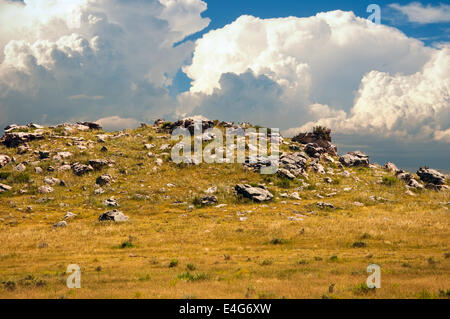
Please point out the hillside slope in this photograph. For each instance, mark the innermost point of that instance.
(190, 236)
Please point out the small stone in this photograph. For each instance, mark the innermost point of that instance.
(114, 215)
(20, 168)
(104, 180)
(69, 215)
(45, 189)
(60, 224)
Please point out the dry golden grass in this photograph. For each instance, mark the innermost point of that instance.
(219, 256)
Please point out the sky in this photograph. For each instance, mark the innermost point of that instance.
(381, 88)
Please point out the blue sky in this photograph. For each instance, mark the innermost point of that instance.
(222, 13)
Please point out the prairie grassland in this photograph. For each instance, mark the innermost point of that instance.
(169, 251)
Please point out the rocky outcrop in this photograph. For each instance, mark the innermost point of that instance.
(113, 215)
(15, 139)
(189, 124)
(257, 194)
(91, 125)
(321, 139)
(355, 159)
(434, 179)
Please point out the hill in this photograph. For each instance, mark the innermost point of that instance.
(212, 230)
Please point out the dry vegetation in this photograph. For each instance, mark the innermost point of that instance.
(169, 251)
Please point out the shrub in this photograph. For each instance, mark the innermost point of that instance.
(278, 241)
(126, 244)
(362, 289)
(322, 132)
(389, 180)
(190, 267)
(359, 244)
(193, 277)
(173, 263)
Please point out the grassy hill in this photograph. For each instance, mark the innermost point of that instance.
(172, 247)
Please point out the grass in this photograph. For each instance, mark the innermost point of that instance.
(273, 255)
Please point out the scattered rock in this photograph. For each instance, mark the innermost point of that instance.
(391, 167)
(114, 215)
(211, 190)
(325, 205)
(111, 202)
(258, 194)
(20, 168)
(415, 184)
(44, 154)
(45, 189)
(4, 159)
(98, 164)
(321, 139)
(81, 169)
(355, 159)
(209, 200)
(4, 188)
(104, 180)
(51, 181)
(22, 149)
(69, 215)
(60, 224)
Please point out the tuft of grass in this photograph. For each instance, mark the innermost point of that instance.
(278, 241)
(359, 244)
(173, 263)
(362, 289)
(191, 267)
(126, 244)
(193, 277)
(425, 294)
(389, 180)
(266, 262)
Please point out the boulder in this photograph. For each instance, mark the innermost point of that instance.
(258, 194)
(113, 215)
(431, 176)
(314, 150)
(81, 169)
(4, 159)
(355, 159)
(403, 175)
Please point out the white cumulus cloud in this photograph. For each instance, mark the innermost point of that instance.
(419, 13)
(85, 59)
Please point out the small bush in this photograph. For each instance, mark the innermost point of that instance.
(334, 258)
(362, 289)
(193, 277)
(278, 241)
(190, 267)
(389, 180)
(284, 183)
(20, 178)
(266, 262)
(173, 263)
(126, 244)
(4, 175)
(359, 244)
